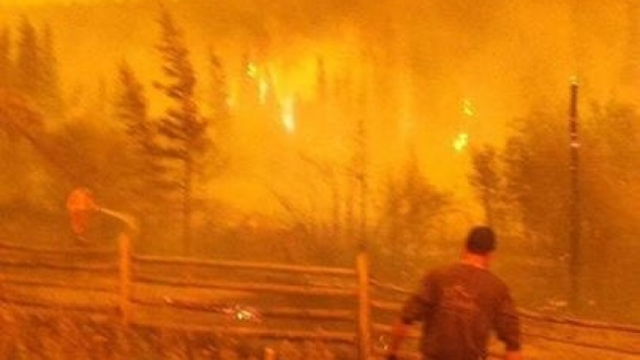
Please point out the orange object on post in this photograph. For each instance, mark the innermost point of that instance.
(80, 205)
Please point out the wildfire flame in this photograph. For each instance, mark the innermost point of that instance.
(467, 108)
(461, 142)
(263, 88)
(288, 115)
(252, 70)
(462, 139)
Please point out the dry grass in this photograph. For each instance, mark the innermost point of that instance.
(46, 336)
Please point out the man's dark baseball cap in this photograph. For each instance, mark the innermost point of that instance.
(481, 240)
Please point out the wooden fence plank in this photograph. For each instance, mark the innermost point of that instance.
(392, 306)
(63, 284)
(389, 287)
(584, 344)
(59, 306)
(252, 287)
(107, 251)
(59, 265)
(245, 265)
(577, 322)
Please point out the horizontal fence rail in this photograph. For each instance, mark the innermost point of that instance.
(41, 250)
(237, 265)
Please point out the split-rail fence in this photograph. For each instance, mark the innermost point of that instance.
(267, 301)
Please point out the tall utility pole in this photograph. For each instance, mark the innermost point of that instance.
(574, 210)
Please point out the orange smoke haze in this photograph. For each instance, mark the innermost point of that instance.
(419, 65)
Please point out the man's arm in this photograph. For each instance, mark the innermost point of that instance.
(508, 327)
(416, 308)
(398, 333)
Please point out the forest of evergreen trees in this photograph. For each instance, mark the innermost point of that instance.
(527, 195)
(121, 154)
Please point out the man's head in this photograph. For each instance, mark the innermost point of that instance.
(481, 240)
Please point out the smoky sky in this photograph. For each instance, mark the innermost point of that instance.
(422, 60)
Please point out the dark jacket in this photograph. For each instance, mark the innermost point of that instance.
(459, 306)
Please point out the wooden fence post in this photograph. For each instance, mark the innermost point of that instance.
(364, 307)
(124, 244)
(269, 354)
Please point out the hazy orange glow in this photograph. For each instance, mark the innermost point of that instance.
(404, 68)
(50, 2)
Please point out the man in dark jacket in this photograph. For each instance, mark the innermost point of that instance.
(459, 306)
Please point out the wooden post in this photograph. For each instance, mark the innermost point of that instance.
(269, 354)
(575, 265)
(124, 244)
(364, 307)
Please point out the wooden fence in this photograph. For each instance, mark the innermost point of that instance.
(343, 306)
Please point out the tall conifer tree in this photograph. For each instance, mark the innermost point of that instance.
(182, 129)
(220, 112)
(51, 94)
(28, 61)
(6, 65)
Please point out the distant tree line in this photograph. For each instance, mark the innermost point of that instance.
(28, 65)
(30, 100)
(153, 164)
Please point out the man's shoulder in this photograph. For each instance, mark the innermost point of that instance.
(443, 269)
(459, 269)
